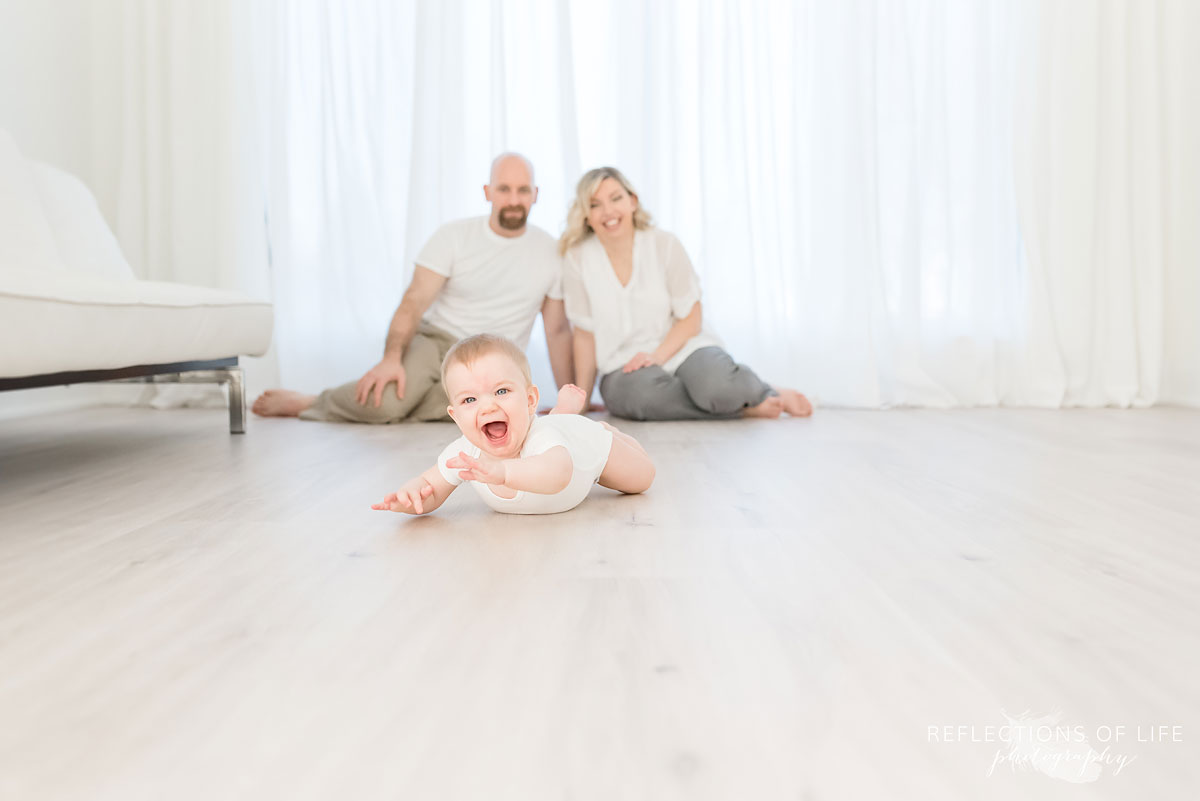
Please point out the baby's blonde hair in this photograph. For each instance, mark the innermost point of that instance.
(578, 228)
(468, 351)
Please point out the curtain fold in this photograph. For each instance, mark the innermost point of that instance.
(1109, 190)
(925, 203)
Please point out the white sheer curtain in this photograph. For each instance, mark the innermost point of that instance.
(173, 151)
(1109, 179)
(174, 161)
(382, 121)
(840, 174)
(917, 202)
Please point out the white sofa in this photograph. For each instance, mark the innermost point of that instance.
(71, 309)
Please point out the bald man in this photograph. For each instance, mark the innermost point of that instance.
(479, 275)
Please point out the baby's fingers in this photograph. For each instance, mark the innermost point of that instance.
(460, 462)
(426, 491)
(386, 503)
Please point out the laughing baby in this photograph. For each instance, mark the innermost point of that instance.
(519, 463)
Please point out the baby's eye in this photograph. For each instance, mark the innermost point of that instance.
(470, 399)
(502, 391)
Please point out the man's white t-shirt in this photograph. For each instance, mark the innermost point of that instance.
(586, 441)
(496, 284)
(627, 320)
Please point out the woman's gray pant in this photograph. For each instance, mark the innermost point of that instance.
(709, 385)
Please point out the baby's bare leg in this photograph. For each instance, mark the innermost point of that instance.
(627, 437)
(629, 468)
(571, 400)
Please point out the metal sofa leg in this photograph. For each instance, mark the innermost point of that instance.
(215, 371)
(237, 400)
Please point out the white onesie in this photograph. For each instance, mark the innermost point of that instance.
(586, 441)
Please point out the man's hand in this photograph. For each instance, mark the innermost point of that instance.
(377, 378)
(409, 498)
(639, 361)
(485, 469)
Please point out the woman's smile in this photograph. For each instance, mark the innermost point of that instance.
(611, 211)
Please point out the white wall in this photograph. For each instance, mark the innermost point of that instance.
(45, 96)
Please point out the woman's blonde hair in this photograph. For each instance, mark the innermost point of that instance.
(578, 228)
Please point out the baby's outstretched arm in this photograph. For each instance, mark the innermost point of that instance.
(544, 474)
(419, 496)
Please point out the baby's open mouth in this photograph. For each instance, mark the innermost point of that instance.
(496, 430)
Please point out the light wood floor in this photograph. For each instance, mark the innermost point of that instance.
(190, 615)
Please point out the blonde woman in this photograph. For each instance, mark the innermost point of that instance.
(634, 300)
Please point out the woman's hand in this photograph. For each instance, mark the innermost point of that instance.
(410, 498)
(639, 361)
(485, 469)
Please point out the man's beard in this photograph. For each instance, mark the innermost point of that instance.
(512, 218)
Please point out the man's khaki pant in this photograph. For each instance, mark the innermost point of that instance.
(424, 399)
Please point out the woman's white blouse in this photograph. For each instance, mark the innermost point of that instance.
(626, 320)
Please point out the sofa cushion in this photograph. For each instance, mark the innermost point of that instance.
(26, 240)
(84, 242)
(52, 323)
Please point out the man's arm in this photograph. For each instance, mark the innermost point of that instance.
(558, 341)
(425, 286)
(421, 292)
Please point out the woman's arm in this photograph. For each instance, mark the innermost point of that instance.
(584, 344)
(559, 342)
(684, 289)
(681, 331)
(678, 335)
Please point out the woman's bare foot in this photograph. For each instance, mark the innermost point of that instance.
(281, 403)
(794, 403)
(571, 400)
(772, 407)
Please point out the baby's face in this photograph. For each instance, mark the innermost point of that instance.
(492, 404)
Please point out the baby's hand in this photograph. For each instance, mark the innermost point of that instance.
(485, 469)
(408, 498)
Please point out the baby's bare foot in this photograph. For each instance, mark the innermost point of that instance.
(795, 404)
(571, 400)
(771, 407)
(281, 403)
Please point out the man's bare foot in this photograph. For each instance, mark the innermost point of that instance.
(771, 407)
(571, 400)
(794, 403)
(281, 403)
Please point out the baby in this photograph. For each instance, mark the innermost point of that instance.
(518, 462)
